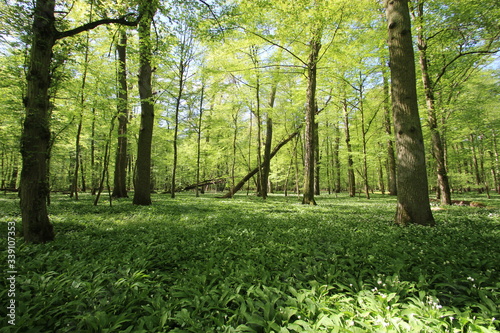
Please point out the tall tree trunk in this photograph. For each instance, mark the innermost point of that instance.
(336, 159)
(391, 159)
(198, 140)
(309, 147)
(266, 169)
(176, 127)
(74, 185)
(36, 130)
(495, 158)
(317, 159)
(475, 162)
(120, 175)
(437, 144)
(142, 193)
(235, 146)
(350, 163)
(364, 140)
(413, 205)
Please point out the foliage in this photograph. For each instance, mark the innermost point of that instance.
(243, 265)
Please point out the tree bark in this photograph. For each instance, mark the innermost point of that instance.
(120, 175)
(413, 205)
(266, 168)
(198, 140)
(391, 159)
(309, 147)
(142, 193)
(36, 132)
(364, 140)
(350, 163)
(437, 144)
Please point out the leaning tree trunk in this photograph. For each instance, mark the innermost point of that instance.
(120, 176)
(142, 193)
(412, 185)
(309, 149)
(36, 132)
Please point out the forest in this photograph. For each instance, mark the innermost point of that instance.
(250, 166)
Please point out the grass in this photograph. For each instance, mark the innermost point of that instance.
(243, 265)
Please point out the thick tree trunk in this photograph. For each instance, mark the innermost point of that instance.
(36, 131)
(413, 205)
(142, 193)
(309, 148)
(120, 175)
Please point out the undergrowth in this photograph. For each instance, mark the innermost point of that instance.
(244, 265)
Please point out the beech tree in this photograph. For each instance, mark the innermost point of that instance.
(412, 186)
(36, 134)
(142, 185)
(120, 176)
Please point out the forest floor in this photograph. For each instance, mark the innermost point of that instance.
(243, 265)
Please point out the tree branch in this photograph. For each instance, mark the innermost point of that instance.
(458, 56)
(92, 25)
(275, 44)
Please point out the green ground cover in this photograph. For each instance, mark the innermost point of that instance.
(243, 265)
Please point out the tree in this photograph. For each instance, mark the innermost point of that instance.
(310, 126)
(142, 193)
(36, 134)
(413, 205)
(120, 176)
(391, 160)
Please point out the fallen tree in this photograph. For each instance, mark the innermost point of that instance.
(253, 172)
(203, 183)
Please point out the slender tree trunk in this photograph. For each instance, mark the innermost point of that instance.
(120, 175)
(142, 194)
(496, 163)
(317, 160)
(176, 128)
(93, 165)
(329, 159)
(475, 161)
(36, 131)
(336, 159)
(105, 165)
(309, 148)
(235, 146)
(198, 140)
(437, 144)
(412, 185)
(74, 185)
(363, 137)
(266, 169)
(350, 163)
(391, 159)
